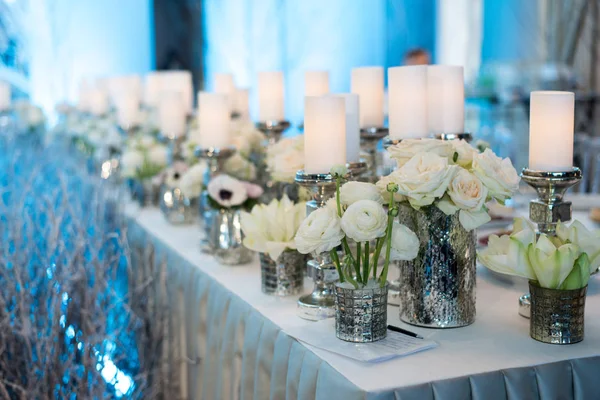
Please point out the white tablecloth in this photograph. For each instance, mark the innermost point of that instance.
(222, 318)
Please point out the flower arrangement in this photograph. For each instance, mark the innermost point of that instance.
(30, 116)
(225, 191)
(564, 261)
(357, 214)
(285, 158)
(246, 138)
(451, 175)
(191, 181)
(271, 228)
(144, 158)
(171, 176)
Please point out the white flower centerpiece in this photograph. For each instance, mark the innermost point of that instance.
(174, 204)
(270, 230)
(443, 188)
(357, 216)
(228, 197)
(283, 159)
(558, 269)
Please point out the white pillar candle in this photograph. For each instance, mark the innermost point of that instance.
(172, 115)
(352, 127)
(224, 84)
(446, 99)
(5, 96)
(128, 111)
(324, 133)
(98, 101)
(316, 83)
(551, 125)
(367, 83)
(242, 103)
(213, 120)
(152, 88)
(407, 88)
(270, 96)
(179, 81)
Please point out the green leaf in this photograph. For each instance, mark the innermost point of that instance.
(580, 274)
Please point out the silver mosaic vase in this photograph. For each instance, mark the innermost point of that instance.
(225, 237)
(361, 314)
(557, 316)
(284, 277)
(144, 192)
(177, 208)
(437, 289)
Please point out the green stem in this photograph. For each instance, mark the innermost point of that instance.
(358, 262)
(336, 261)
(338, 181)
(348, 251)
(378, 248)
(366, 264)
(388, 239)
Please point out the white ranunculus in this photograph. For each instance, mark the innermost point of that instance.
(423, 179)
(497, 174)
(353, 191)
(239, 167)
(552, 264)
(404, 244)
(465, 152)
(364, 220)
(320, 232)
(285, 158)
(158, 155)
(191, 181)
(131, 161)
(383, 192)
(408, 148)
(227, 191)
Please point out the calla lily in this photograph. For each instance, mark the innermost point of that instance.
(552, 264)
(579, 276)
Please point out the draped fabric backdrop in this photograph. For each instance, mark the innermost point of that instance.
(244, 37)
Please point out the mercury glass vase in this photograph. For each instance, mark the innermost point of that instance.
(177, 208)
(437, 289)
(557, 316)
(284, 277)
(361, 314)
(225, 237)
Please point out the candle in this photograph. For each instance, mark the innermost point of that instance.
(324, 133)
(5, 96)
(179, 81)
(446, 99)
(270, 96)
(224, 85)
(367, 83)
(316, 83)
(408, 102)
(551, 125)
(242, 103)
(128, 111)
(152, 88)
(352, 127)
(98, 101)
(213, 120)
(172, 115)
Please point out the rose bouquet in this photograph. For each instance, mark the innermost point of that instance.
(452, 176)
(357, 214)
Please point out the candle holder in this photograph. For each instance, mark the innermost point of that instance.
(549, 208)
(129, 130)
(467, 137)
(214, 157)
(369, 141)
(320, 303)
(356, 170)
(273, 129)
(388, 142)
(175, 144)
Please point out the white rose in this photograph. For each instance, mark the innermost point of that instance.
(191, 181)
(131, 161)
(364, 221)
(320, 232)
(240, 168)
(465, 152)
(423, 179)
(497, 174)
(404, 244)
(158, 155)
(353, 191)
(408, 148)
(227, 191)
(468, 194)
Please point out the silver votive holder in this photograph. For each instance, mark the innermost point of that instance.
(549, 208)
(225, 237)
(320, 303)
(273, 130)
(361, 314)
(176, 207)
(467, 137)
(557, 316)
(214, 158)
(370, 137)
(284, 277)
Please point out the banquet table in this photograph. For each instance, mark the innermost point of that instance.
(228, 339)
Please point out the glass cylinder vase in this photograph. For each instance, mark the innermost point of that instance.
(225, 237)
(176, 207)
(437, 289)
(557, 316)
(284, 277)
(361, 314)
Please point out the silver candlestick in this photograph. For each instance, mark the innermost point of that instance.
(357, 170)
(215, 158)
(549, 208)
(273, 129)
(369, 141)
(467, 137)
(175, 144)
(320, 304)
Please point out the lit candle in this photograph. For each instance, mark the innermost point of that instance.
(98, 101)
(446, 99)
(270, 96)
(352, 127)
(5, 94)
(316, 83)
(171, 114)
(213, 120)
(324, 133)
(152, 88)
(128, 111)
(242, 103)
(367, 83)
(224, 84)
(551, 125)
(408, 102)
(179, 81)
